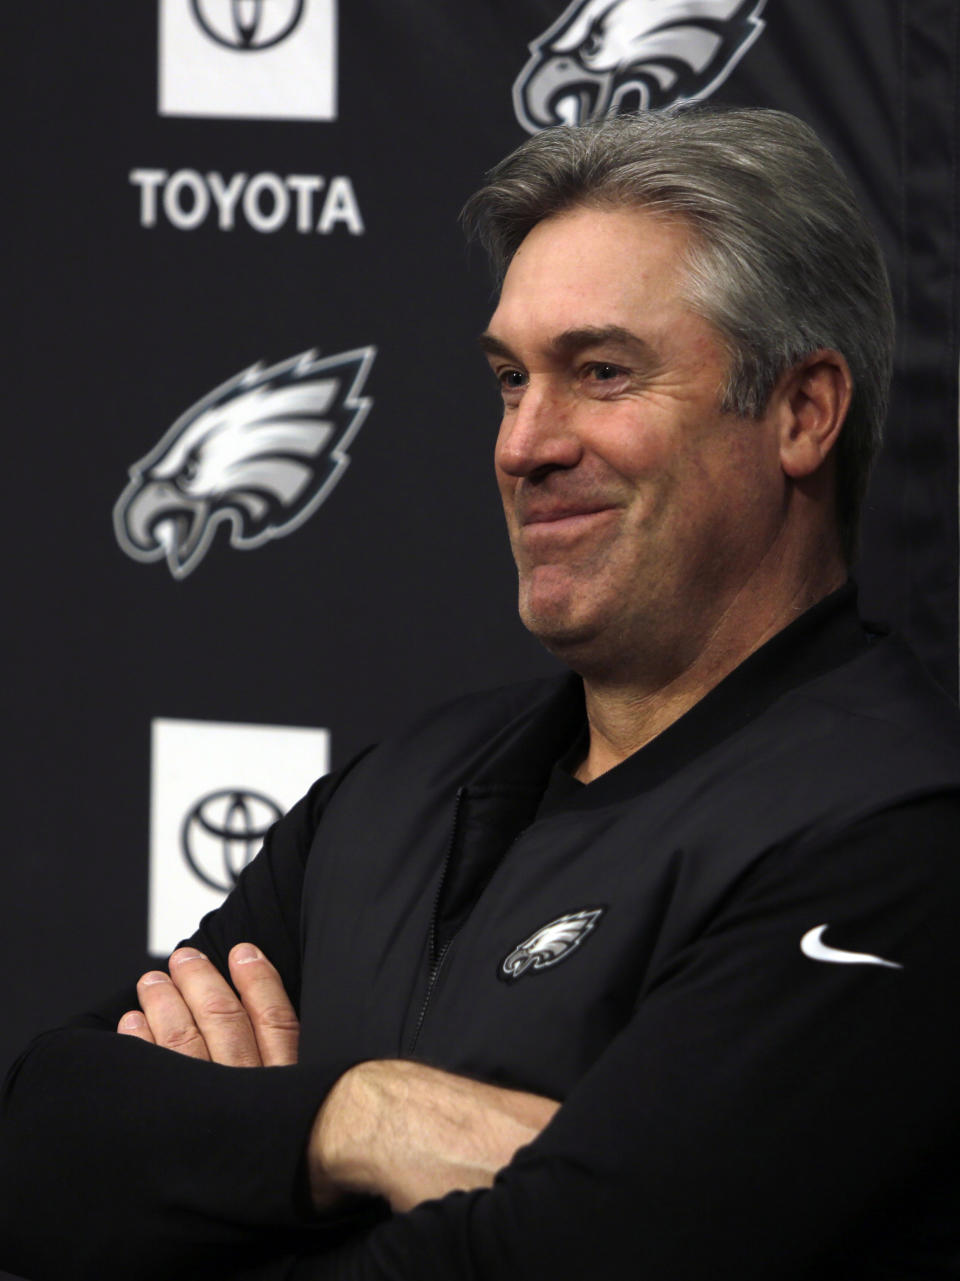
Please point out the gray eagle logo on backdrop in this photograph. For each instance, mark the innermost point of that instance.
(258, 455)
(605, 56)
(551, 943)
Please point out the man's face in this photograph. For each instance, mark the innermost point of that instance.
(632, 503)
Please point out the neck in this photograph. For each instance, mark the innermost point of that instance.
(630, 705)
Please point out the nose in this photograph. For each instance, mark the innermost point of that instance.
(537, 435)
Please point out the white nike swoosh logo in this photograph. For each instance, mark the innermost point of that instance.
(812, 945)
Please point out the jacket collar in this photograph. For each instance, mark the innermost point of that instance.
(823, 638)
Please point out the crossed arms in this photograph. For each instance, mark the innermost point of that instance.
(695, 1142)
(389, 1128)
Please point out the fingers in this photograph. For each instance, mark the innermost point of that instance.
(220, 1021)
(169, 1020)
(134, 1023)
(272, 1017)
(194, 1010)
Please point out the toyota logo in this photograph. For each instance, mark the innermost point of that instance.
(223, 832)
(247, 25)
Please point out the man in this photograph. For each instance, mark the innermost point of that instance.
(668, 943)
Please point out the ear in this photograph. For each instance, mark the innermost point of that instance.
(814, 398)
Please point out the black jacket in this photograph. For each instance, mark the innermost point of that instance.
(662, 950)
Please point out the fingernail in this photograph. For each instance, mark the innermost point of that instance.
(130, 1022)
(244, 952)
(155, 976)
(186, 954)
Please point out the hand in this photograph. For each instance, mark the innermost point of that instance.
(409, 1133)
(194, 1011)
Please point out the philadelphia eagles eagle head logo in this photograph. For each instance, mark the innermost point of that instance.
(258, 455)
(550, 944)
(606, 56)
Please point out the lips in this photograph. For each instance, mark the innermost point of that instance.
(559, 528)
(557, 512)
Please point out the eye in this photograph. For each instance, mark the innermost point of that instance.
(601, 378)
(512, 382)
(592, 43)
(188, 472)
(604, 372)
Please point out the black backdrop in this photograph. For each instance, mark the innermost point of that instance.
(131, 305)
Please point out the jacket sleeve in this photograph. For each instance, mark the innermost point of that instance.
(119, 1159)
(766, 1114)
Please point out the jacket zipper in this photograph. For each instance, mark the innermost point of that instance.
(437, 959)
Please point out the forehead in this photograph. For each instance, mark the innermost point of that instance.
(589, 267)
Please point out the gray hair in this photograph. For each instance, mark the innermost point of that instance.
(781, 262)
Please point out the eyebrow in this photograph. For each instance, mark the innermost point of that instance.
(572, 341)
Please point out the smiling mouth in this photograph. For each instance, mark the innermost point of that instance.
(560, 520)
(538, 515)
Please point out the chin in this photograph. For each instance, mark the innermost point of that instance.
(588, 633)
(563, 632)
(572, 614)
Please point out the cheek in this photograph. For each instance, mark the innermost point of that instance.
(636, 448)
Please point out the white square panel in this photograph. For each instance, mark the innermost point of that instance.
(215, 789)
(252, 59)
